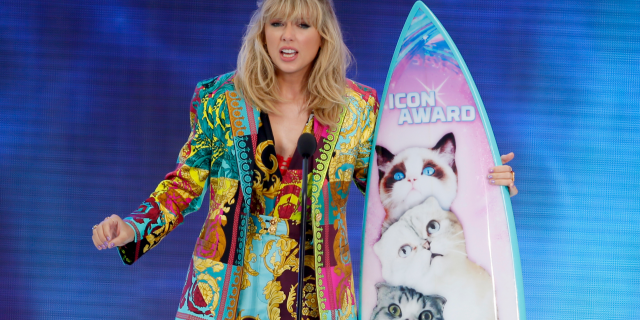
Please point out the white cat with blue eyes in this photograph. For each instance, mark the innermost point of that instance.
(414, 174)
(425, 250)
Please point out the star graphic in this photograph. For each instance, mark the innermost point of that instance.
(437, 90)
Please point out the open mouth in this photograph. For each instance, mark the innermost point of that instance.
(288, 53)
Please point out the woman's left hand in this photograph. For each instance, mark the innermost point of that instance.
(503, 175)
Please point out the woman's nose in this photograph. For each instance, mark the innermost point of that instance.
(287, 33)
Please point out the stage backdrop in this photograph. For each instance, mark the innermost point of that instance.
(94, 99)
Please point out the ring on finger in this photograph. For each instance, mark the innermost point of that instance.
(94, 227)
(513, 176)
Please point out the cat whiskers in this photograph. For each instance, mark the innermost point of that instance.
(461, 231)
(459, 252)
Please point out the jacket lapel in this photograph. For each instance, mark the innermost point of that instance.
(319, 207)
(244, 121)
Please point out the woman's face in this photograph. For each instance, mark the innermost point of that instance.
(292, 46)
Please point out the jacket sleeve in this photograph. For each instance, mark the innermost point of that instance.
(363, 149)
(182, 190)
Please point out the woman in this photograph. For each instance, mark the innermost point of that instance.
(290, 79)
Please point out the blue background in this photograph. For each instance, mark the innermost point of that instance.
(94, 99)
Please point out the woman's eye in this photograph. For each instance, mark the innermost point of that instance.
(276, 24)
(394, 309)
(428, 171)
(398, 176)
(404, 251)
(304, 26)
(433, 227)
(425, 315)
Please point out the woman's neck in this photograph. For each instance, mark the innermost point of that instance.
(292, 91)
(288, 123)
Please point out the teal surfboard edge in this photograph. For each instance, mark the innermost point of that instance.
(419, 5)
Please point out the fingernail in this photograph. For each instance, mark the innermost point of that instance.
(108, 238)
(490, 176)
(493, 182)
(111, 245)
(491, 170)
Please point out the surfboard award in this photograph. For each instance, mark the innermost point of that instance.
(439, 240)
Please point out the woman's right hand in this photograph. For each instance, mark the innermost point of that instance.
(112, 232)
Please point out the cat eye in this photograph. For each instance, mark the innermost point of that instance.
(404, 251)
(398, 176)
(433, 227)
(428, 171)
(425, 315)
(394, 309)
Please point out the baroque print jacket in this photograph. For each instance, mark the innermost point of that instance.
(219, 156)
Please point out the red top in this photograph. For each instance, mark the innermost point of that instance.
(284, 164)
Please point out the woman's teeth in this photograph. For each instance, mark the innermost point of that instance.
(288, 53)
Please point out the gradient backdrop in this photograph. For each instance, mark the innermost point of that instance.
(94, 99)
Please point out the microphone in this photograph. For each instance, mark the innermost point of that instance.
(306, 147)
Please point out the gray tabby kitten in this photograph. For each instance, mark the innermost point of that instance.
(406, 304)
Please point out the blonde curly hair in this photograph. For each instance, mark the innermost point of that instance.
(255, 77)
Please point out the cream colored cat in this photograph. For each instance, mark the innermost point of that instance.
(425, 250)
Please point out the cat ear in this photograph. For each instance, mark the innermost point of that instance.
(377, 248)
(432, 202)
(447, 147)
(384, 158)
(442, 300)
(382, 287)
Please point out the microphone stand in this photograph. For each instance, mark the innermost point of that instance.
(301, 244)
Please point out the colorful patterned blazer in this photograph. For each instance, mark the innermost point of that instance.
(219, 156)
